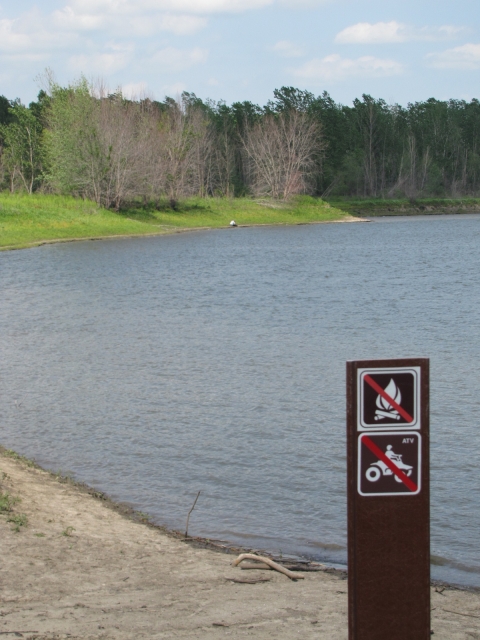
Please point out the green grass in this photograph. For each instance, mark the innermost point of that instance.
(6, 502)
(32, 220)
(8, 453)
(29, 220)
(218, 212)
(18, 520)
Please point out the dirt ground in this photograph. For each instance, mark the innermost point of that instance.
(80, 568)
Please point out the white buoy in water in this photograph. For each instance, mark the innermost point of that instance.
(233, 223)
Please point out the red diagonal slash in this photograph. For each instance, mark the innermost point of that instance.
(386, 397)
(391, 465)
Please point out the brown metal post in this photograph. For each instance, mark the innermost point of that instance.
(388, 499)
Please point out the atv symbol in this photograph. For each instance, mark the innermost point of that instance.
(376, 469)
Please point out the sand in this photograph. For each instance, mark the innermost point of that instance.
(81, 568)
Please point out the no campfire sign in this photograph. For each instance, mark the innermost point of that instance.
(389, 397)
(388, 499)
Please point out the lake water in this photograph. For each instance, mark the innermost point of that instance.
(153, 368)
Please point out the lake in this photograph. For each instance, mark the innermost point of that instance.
(152, 368)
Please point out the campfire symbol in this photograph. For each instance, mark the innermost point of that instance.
(385, 409)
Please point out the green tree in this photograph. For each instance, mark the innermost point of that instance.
(77, 165)
(5, 115)
(22, 153)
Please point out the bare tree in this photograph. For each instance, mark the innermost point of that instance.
(282, 154)
(98, 144)
(182, 148)
(121, 134)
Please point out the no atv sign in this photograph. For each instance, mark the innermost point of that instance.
(389, 464)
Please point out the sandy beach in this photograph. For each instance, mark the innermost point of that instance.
(81, 569)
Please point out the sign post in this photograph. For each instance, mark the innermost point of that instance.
(388, 499)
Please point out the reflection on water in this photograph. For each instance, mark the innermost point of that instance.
(156, 367)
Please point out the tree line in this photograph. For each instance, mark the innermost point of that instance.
(85, 141)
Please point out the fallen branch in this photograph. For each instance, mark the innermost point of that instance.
(255, 565)
(248, 580)
(459, 613)
(271, 563)
(188, 517)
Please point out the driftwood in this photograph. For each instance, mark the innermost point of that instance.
(295, 566)
(255, 565)
(271, 563)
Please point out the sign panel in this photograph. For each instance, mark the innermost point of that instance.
(388, 499)
(389, 397)
(389, 464)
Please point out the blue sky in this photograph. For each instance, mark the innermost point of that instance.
(244, 49)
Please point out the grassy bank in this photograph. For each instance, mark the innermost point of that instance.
(404, 207)
(31, 220)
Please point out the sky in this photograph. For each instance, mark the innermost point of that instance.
(235, 50)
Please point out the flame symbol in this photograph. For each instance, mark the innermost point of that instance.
(385, 409)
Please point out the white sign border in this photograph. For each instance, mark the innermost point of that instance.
(396, 493)
(361, 426)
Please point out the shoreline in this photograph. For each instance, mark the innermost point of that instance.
(361, 216)
(165, 232)
(36, 219)
(422, 207)
(423, 212)
(199, 542)
(81, 567)
(28, 221)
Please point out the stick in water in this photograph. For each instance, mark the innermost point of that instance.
(188, 517)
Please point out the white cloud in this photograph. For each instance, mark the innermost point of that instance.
(98, 62)
(366, 33)
(10, 39)
(35, 30)
(115, 57)
(180, 25)
(195, 6)
(175, 6)
(113, 19)
(214, 6)
(30, 35)
(35, 36)
(173, 60)
(287, 49)
(393, 32)
(67, 18)
(465, 57)
(334, 67)
(302, 4)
